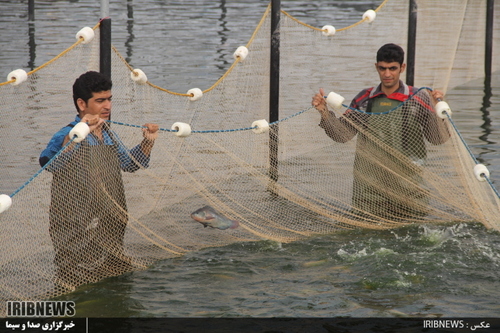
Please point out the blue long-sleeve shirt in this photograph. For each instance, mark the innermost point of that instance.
(128, 158)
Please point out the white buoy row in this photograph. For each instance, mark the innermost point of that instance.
(19, 75)
(329, 30)
(182, 129)
(195, 94)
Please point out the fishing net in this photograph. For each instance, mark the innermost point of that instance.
(79, 219)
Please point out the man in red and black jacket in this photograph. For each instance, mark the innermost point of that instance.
(392, 121)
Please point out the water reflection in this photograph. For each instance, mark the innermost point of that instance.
(486, 126)
(130, 30)
(223, 36)
(32, 45)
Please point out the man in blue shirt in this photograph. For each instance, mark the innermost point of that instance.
(88, 212)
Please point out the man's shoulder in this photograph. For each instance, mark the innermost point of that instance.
(365, 91)
(362, 96)
(413, 90)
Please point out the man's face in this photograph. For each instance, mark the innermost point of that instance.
(389, 73)
(99, 104)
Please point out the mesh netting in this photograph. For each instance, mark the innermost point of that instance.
(81, 219)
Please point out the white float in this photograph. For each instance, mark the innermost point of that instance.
(5, 202)
(481, 171)
(443, 110)
(241, 53)
(261, 126)
(86, 34)
(19, 76)
(182, 129)
(334, 100)
(195, 94)
(370, 15)
(328, 30)
(139, 76)
(79, 132)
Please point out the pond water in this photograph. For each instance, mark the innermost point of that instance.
(438, 270)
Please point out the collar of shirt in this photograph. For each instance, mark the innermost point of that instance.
(401, 94)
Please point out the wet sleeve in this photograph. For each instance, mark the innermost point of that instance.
(344, 128)
(132, 160)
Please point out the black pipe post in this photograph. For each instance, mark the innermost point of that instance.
(412, 37)
(274, 88)
(105, 47)
(31, 10)
(31, 33)
(488, 53)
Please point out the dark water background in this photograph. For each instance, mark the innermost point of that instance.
(433, 270)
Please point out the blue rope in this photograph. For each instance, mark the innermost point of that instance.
(214, 131)
(491, 185)
(41, 169)
(386, 112)
(472, 155)
(461, 138)
(253, 127)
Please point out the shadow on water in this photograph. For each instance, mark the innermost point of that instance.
(223, 37)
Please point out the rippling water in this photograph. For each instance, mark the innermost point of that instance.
(414, 271)
(433, 270)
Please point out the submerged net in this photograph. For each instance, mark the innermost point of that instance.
(71, 223)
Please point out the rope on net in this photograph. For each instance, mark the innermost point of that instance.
(485, 176)
(42, 168)
(341, 29)
(79, 41)
(32, 178)
(261, 22)
(237, 60)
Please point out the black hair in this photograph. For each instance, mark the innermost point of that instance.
(89, 83)
(391, 53)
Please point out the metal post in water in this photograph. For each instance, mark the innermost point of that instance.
(130, 29)
(105, 40)
(31, 10)
(104, 8)
(488, 59)
(412, 37)
(31, 33)
(274, 88)
(488, 52)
